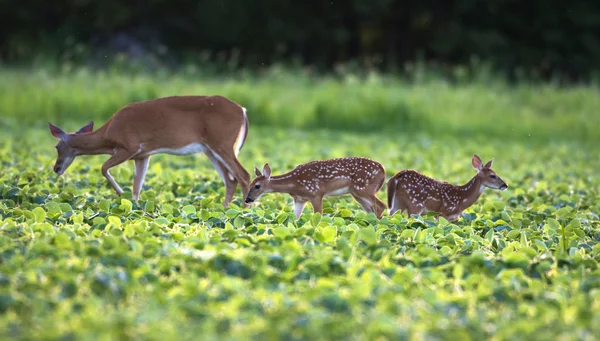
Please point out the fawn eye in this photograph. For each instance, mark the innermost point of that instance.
(493, 176)
(257, 186)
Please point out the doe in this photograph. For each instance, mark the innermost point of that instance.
(177, 125)
(310, 182)
(416, 193)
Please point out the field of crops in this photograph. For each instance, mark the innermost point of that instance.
(77, 262)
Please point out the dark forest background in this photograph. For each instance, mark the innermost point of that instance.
(544, 38)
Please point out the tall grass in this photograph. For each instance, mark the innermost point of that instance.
(285, 98)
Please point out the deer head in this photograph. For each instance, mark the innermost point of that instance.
(66, 153)
(486, 175)
(260, 184)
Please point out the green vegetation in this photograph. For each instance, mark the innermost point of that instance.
(76, 262)
(485, 107)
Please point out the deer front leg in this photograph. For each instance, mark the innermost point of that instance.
(117, 158)
(298, 207)
(451, 217)
(228, 179)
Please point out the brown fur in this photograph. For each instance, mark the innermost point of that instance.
(415, 193)
(141, 129)
(311, 182)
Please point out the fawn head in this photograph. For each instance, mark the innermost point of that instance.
(66, 153)
(486, 175)
(259, 185)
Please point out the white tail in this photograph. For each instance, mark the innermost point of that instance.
(416, 193)
(310, 182)
(177, 125)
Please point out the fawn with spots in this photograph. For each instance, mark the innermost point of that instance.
(177, 125)
(310, 182)
(416, 193)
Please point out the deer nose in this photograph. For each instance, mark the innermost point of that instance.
(503, 186)
(56, 169)
(248, 200)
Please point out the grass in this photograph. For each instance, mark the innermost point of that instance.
(76, 262)
(299, 99)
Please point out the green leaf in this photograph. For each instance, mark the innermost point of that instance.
(39, 214)
(367, 235)
(126, 205)
(281, 232)
(149, 207)
(315, 219)
(166, 208)
(53, 209)
(188, 209)
(238, 222)
(114, 221)
(104, 205)
(61, 239)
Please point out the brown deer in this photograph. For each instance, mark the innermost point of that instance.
(177, 125)
(416, 193)
(310, 182)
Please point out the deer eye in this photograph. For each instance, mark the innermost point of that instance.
(493, 176)
(257, 186)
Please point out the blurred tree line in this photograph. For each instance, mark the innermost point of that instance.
(541, 36)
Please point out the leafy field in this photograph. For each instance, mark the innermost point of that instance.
(76, 262)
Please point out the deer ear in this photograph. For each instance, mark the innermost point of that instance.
(86, 128)
(489, 164)
(267, 171)
(256, 171)
(476, 161)
(56, 131)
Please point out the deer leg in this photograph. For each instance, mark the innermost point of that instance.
(141, 166)
(117, 158)
(298, 207)
(398, 204)
(364, 202)
(230, 184)
(317, 204)
(379, 206)
(415, 209)
(232, 164)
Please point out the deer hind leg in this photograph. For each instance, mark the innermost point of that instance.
(117, 158)
(368, 200)
(228, 179)
(379, 206)
(366, 204)
(141, 166)
(317, 204)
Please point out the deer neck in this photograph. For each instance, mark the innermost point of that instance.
(470, 192)
(90, 143)
(284, 183)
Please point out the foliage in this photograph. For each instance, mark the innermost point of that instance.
(76, 262)
(301, 99)
(541, 37)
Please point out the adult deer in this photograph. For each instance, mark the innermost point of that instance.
(416, 193)
(310, 182)
(177, 125)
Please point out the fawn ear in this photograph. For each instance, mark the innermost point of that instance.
(267, 171)
(489, 164)
(86, 128)
(256, 171)
(476, 161)
(56, 131)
